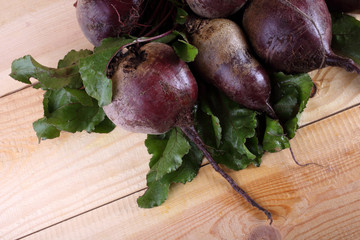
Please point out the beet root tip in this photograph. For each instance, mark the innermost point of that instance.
(191, 133)
(338, 61)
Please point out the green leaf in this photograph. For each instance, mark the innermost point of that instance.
(44, 130)
(76, 118)
(168, 38)
(93, 70)
(158, 189)
(185, 50)
(256, 148)
(54, 99)
(290, 94)
(113, 43)
(73, 57)
(274, 137)
(105, 126)
(156, 193)
(181, 16)
(168, 158)
(237, 125)
(215, 122)
(156, 145)
(346, 36)
(24, 68)
(72, 110)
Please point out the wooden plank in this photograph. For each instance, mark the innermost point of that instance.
(307, 202)
(336, 90)
(41, 184)
(45, 29)
(70, 175)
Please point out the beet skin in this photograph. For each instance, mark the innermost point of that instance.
(225, 60)
(215, 8)
(293, 36)
(100, 19)
(152, 88)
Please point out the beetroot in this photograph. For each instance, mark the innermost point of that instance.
(343, 5)
(100, 19)
(152, 69)
(154, 91)
(225, 60)
(215, 8)
(293, 36)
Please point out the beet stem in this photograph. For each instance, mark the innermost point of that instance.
(346, 63)
(303, 164)
(161, 23)
(151, 19)
(139, 40)
(191, 133)
(270, 111)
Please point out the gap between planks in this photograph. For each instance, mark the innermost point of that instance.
(80, 214)
(144, 189)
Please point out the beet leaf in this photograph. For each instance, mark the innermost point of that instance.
(346, 36)
(158, 188)
(290, 96)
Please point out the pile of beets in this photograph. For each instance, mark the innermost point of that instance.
(155, 91)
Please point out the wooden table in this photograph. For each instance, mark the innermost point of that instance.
(85, 186)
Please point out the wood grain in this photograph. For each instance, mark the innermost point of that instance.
(47, 30)
(336, 90)
(84, 186)
(307, 202)
(42, 184)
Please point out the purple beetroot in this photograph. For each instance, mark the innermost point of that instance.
(154, 91)
(293, 36)
(225, 60)
(100, 19)
(215, 8)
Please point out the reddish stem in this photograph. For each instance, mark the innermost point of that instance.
(346, 63)
(151, 19)
(161, 22)
(139, 40)
(191, 133)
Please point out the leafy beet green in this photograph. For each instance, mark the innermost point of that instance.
(290, 96)
(274, 137)
(172, 153)
(68, 110)
(237, 125)
(346, 36)
(67, 104)
(92, 70)
(105, 126)
(50, 78)
(45, 130)
(158, 188)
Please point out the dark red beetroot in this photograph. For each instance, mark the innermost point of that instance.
(154, 91)
(224, 60)
(152, 69)
(100, 19)
(215, 8)
(343, 5)
(293, 36)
